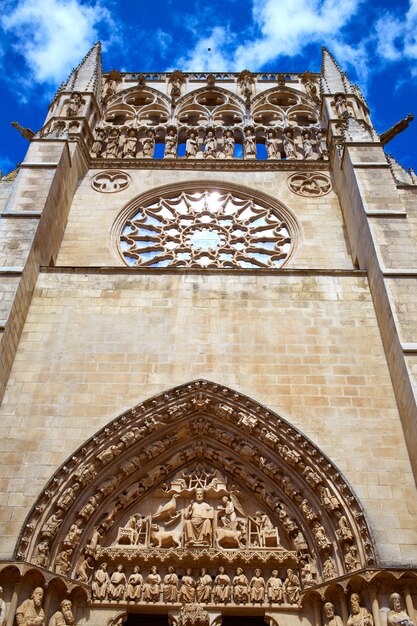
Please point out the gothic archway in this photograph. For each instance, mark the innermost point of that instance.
(151, 459)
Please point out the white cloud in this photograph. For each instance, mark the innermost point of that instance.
(287, 26)
(396, 37)
(279, 28)
(53, 35)
(208, 55)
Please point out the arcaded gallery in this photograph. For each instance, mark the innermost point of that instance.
(208, 356)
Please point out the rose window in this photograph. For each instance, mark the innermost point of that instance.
(205, 229)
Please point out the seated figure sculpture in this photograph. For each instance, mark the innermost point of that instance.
(198, 524)
(30, 612)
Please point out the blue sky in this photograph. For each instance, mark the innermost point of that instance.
(374, 41)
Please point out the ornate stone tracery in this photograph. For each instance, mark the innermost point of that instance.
(197, 475)
(206, 225)
(141, 108)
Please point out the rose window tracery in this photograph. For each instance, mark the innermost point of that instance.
(203, 229)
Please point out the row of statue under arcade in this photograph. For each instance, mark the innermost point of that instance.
(211, 143)
(40, 610)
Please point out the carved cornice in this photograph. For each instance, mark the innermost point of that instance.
(211, 165)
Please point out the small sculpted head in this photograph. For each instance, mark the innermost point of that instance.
(37, 596)
(329, 610)
(395, 602)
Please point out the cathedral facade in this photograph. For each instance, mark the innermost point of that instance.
(208, 356)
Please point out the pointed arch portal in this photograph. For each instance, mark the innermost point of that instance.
(272, 499)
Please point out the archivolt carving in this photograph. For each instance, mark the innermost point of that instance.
(198, 474)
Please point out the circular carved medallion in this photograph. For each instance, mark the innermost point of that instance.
(110, 181)
(311, 184)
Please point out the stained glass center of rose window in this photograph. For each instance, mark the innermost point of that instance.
(205, 229)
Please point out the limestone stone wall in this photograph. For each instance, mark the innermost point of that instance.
(307, 346)
(87, 236)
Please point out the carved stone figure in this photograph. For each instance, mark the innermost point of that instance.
(397, 616)
(292, 587)
(227, 514)
(50, 527)
(64, 617)
(191, 145)
(68, 497)
(299, 542)
(134, 584)
(62, 562)
(129, 144)
(109, 88)
(112, 148)
(221, 592)
(163, 538)
(152, 587)
(329, 568)
(249, 144)
(271, 143)
(289, 146)
(312, 478)
(320, 536)
(274, 588)
(360, 616)
(229, 145)
(187, 590)
(118, 584)
(341, 106)
(210, 145)
(84, 569)
(101, 582)
(74, 104)
(176, 83)
(307, 146)
(203, 589)
(30, 612)
(170, 144)
(42, 554)
(257, 587)
(351, 559)
(170, 589)
(308, 572)
(331, 618)
(73, 535)
(308, 512)
(245, 82)
(198, 521)
(321, 145)
(328, 500)
(240, 587)
(148, 144)
(3, 614)
(96, 538)
(343, 531)
(130, 533)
